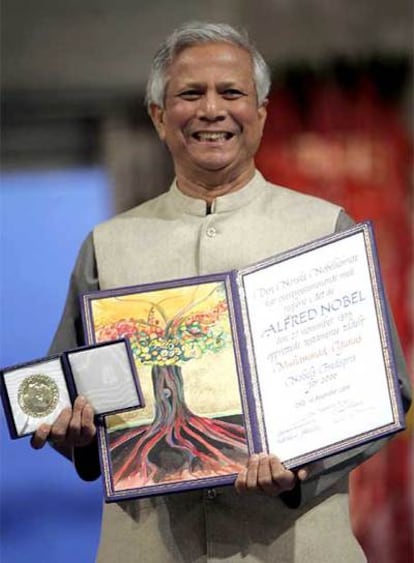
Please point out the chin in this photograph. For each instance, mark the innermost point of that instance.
(214, 168)
(215, 165)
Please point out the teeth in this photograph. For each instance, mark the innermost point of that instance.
(212, 136)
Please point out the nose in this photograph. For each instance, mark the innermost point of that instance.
(211, 107)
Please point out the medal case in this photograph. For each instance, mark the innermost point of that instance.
(36, 392)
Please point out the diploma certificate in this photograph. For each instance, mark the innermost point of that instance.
(321, 374)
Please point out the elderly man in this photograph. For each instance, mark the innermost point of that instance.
(207, 98)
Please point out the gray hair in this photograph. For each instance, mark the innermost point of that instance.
(196, 33)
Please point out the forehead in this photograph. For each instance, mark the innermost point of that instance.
(211, 60)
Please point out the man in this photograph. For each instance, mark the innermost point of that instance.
(207, 99)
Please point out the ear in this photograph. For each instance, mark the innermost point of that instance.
(157, 115)
(262, 112)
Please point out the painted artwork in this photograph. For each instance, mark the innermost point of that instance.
(191, 426)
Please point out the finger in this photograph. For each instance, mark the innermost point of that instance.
(74, 428)
(303, 473)
(252, 472)
(241, 481)
(39, 438)
(87, 417)
(264, 475)
(88, 428)
(284, 478)
(276, 466)
(60, 426)
(78, 406)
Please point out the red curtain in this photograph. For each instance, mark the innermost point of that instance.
(339, 135)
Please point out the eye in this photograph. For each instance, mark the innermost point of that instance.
(190, 95)
(232, 94)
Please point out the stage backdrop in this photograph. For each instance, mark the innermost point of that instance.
(47, 513)
(338, 133)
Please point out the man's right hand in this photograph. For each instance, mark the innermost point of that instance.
(72, 429)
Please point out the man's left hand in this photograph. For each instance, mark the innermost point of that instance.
(265, 473)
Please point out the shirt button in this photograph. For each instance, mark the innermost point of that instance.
(211, 232)
(211, 494)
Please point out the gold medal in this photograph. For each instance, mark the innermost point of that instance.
(38, 395)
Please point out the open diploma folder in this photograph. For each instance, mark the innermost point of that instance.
(299, 343)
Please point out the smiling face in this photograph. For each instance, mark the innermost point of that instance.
(211, 122)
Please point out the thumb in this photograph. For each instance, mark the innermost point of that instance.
(39, 438)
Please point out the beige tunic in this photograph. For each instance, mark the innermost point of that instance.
(173, 236)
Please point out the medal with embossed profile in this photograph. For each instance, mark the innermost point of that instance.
(38, 395)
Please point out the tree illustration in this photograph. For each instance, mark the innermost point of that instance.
(178, 444)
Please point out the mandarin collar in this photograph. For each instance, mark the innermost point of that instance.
(222, 204)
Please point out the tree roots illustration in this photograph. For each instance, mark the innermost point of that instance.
(177, 444)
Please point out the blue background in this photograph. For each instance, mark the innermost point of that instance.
(47, 513)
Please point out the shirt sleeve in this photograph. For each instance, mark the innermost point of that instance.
(330, 471)
(84, 278)
(69, 335)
